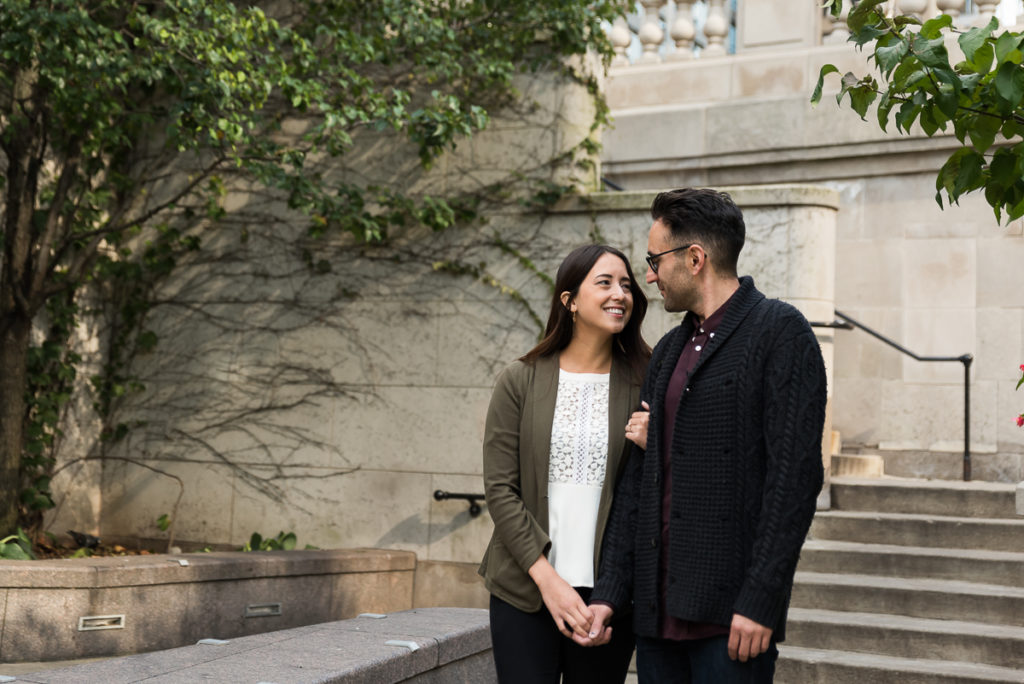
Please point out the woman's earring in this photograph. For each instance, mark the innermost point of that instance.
(574, 317)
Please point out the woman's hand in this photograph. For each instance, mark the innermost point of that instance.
(570, 613)
(636, 428)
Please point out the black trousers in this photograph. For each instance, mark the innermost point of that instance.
(529, 649)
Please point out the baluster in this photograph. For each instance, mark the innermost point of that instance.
(986, 10)
(914, 7)
(683, 31)
(621, 38)
(716, 28)
(953, 8)
(651, 34)
(836, 30)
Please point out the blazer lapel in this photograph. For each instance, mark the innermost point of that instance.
(543, 395)
(620, 404)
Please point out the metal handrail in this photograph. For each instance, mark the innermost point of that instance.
(845, 322)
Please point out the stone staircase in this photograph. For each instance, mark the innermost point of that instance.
(909, 581)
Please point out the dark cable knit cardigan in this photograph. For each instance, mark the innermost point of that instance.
(746, 472)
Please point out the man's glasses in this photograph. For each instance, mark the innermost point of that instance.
(652, 259)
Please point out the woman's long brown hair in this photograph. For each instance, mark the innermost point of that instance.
(628, 345)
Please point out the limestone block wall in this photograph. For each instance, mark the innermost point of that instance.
(939, 282)
(335, 403)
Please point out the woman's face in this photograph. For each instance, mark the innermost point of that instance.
(605, 299)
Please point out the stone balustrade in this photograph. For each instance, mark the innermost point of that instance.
(665, 31)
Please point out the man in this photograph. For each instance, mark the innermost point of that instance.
(719, 492)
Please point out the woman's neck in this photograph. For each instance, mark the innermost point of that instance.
(587, 354)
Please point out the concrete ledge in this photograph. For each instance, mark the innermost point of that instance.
(161, 603)
(1020, 498)
(780, 195)
(451, 645)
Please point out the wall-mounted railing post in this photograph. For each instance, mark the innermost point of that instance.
(966, 359)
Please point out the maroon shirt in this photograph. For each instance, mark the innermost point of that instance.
(672, 627)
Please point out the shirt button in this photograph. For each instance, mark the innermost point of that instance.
(711, 335)
(697, 347)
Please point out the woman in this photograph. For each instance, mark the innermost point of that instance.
(553, 448)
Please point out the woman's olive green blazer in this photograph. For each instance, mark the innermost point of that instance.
(517, 439)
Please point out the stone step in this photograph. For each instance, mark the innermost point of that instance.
(925, 598)
(799, 665)
(930, 497)
(913, 529)
(857, 465)
(970, 565)
(907, 637)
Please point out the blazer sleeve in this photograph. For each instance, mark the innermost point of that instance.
(794, 416)
(516, 527)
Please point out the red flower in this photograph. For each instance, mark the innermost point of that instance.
(1020, 420)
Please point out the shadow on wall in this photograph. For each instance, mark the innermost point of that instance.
(413, 530)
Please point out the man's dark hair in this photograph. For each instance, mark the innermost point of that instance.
(706, 217)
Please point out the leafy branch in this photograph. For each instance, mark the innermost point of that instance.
(981, 96)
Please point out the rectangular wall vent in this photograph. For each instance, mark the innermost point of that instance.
(91, 623)
(262, 610)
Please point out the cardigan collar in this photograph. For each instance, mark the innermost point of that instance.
(741, 304)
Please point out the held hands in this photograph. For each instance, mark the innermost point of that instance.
(571, 615)
(600, 632)
(636, 428)
(747, 639)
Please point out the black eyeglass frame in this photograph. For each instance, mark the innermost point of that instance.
(652, 259)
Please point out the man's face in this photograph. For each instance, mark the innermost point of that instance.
(676, 284)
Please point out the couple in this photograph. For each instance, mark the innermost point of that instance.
(685, 528)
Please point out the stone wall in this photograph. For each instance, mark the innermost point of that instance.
(335, 403)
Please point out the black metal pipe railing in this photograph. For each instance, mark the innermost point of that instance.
(845, 322)
(474, 507)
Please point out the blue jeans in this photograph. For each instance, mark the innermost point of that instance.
(701, 661)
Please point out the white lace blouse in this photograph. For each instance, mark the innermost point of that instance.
(576, 471)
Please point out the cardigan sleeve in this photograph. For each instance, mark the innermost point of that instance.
(516, 528)
(614, 584)
(794, 385)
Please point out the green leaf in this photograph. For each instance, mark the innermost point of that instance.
(947, 101)
(933, 27)
(932, 52)
(928, 123)
(825, 70)
(862, 14)
(983, 133)
(976, 37)
(984, 56)
(889, 57)
(906, 115)
(1006, 44)
(885, 106)
(1009, 83)
(163, 522)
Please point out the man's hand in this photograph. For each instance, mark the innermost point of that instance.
(600, 632)
(747, 639)
(571, 615)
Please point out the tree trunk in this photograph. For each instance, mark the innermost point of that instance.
(15, 334)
